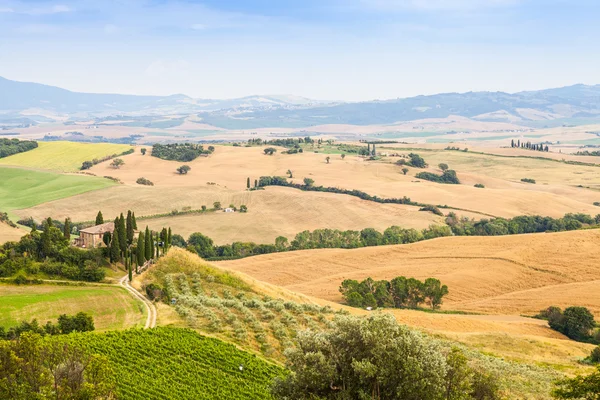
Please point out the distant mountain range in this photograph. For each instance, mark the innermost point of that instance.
(40, 103)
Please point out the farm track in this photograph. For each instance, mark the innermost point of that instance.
(150, 308)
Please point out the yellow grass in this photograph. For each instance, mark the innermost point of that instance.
(63, 156)
(272, 212)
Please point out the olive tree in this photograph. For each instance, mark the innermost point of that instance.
(363, 358)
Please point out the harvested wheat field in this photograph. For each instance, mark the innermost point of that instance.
(8, 233)
(519, 274)
(556, 193)
(272, 212)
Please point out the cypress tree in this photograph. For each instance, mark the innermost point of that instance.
(49, 222)
(129, 267)
(115, 248)
(129, 226)
(512, 143)
(122, 234)
(133, 222)
(256, 183)
(99, 218)
(169, 234)
(248, 183)
(141, 252)
(152, 244)
(67, 229)
(148, 245)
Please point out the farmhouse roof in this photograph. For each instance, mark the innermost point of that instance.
(102, 228)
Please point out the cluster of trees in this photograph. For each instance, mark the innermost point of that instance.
(528, 145)
(518, 225)
(89, 164)
(8, 147)
(49, 251)
(369, 151)
(376, 358)
(576, 323)
(414, 160)
(269, 151)
(183, 152)
(134, 253)
(80, 322)
(400, 292)
(35, 368)
(448, 176)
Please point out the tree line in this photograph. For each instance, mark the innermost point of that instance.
(80, 322)
(349, 239)
(8, 147)
(400, 292)
(183, 152)
(520, 224)
(90, 163)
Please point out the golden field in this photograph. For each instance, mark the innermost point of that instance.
(517, 274)
(292, 211)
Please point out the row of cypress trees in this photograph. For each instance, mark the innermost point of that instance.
(150, 245)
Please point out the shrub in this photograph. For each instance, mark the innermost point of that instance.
(144, 181)
(528, 180)
(595, 355)
(432, 209)
(479, 185)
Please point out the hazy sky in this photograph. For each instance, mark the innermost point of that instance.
(326, 49)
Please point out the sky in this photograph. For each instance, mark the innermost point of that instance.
(351, 50)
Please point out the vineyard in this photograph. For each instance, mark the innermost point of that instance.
(173, 363)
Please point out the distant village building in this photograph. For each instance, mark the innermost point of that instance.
(92, 237)
(228, 209)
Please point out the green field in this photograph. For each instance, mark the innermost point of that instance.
(20, 188)
(172, 363)
(112, 307)
(63, 156)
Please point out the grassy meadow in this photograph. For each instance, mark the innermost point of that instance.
(112, 307)
(63, 156)
(21, 188)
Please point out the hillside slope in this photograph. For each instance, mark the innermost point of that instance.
(518, 274)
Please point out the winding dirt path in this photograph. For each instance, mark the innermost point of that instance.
(152, 314)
